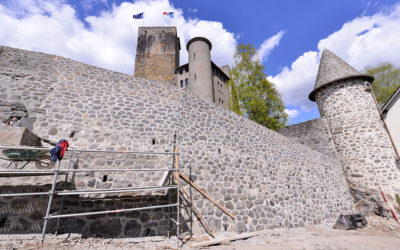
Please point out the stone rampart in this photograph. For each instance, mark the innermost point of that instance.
(267, 180)
(314, 134)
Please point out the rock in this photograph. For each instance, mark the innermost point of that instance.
(365, 207)
(133, 229)
(14, 136)
(241, 227)
(106, 227)
(17, 106)
(53, 131)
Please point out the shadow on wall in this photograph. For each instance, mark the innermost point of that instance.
(25, 215)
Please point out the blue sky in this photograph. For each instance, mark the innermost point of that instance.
(289, 35)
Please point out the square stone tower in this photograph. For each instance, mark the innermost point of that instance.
(157, 53)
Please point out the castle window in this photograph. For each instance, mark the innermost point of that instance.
(194, 56)
(195, 77)
(181, 83)
(186, 82)
(222, 102)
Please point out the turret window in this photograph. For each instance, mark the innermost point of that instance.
(181, 83)
(194, 56)
(186, 82)
(195, 77)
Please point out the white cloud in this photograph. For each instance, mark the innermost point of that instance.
(268, 45)
(296, 82)
(365, 40)
(292, 113)
(193, 10)
(89, 4)
(109, 40)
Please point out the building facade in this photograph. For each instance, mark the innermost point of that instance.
(390, 112)
(157, 58)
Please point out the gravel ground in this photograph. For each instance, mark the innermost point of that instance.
(380, 233)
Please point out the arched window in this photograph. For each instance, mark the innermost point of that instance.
(186, 82)
(181, 83)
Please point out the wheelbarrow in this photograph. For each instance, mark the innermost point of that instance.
(22, 157)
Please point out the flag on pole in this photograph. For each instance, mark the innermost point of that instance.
(170, 14)
(138, 16)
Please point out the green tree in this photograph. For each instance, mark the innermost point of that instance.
(252, 94)
(387, 80)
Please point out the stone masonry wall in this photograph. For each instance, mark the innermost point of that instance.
(267, 180)
(157, 54)
(25, 215)
(314, 134)
(362, 144)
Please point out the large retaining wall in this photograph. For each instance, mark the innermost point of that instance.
(314, 134)
(267, 180)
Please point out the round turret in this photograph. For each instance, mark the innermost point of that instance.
(200, 73)
(362, 143)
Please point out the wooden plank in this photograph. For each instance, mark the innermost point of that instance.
(198, 214)
(185, 178)
(164, 178)
(219, 241)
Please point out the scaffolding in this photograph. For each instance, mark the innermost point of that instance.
(174, 158)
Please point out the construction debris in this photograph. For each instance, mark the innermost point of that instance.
(225, 240)
(350, 222)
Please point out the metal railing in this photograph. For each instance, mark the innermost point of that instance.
(59, 171)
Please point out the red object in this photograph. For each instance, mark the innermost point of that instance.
(391, 208)
(165, 13)
(64, 145)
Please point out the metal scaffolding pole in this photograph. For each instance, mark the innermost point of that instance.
(191, 201)
(177, 191)
(32, 172)
(93, 151)
(46, 219)
(115, 190)
(110, 211)
(65, 171)
(178, 210)
(65, 186)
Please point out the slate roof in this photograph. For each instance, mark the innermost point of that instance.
(333, 69)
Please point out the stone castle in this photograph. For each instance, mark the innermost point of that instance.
(305, 174)
(157, 58)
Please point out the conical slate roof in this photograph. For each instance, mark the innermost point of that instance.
(332, 69)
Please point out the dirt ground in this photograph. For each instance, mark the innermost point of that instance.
(380, 233)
